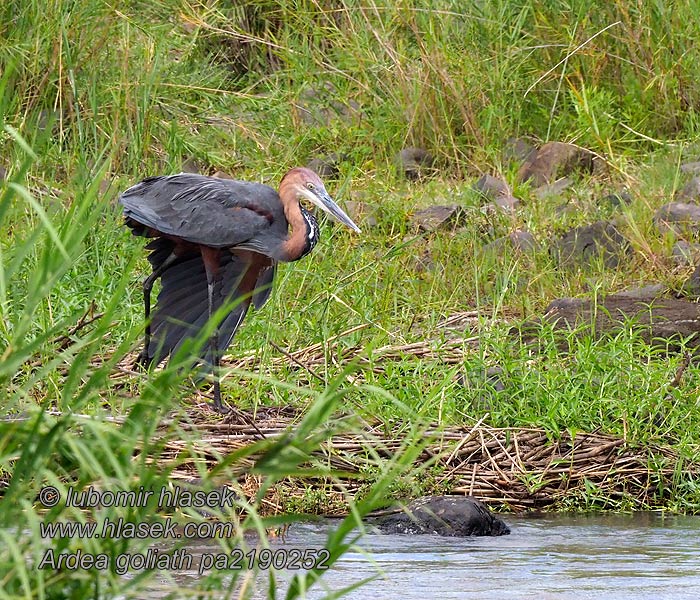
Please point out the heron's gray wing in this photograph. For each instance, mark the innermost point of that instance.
(264, 285)
(220, 213)
(182, 309)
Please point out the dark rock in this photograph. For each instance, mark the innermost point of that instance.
(502, 204)
(554, 160)
(497, 190)
(321, 106)
(691, 167)
(494, 379)
(507, 203)
(660, 321)
(555, 188)
(190, 165)
(518, 149)
(423, 261)
(492, 187)
(583, 245)
(616, 200)
(691, 288)
(522, 241)
(439, 217)
(678, 218)
(690, 191)
(415, 163)
(647, 292)
(362, 213)
(685, 253)
(326, 167)
(3, 173)
(452, 516)
(222, 175)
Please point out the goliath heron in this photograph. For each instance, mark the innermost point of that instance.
(217, 241)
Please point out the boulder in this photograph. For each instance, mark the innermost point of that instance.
(521, 241)
(415, 163)
(507, 203)
(582, 246)
(519, 149)
(691, 288)
(554, 160)
(492, 187)
(690, 191)
(616, 200)
(555, 188)
(452, 516)
(439, 217)
(678, 218)
(661, 321)
(326, 167)
(645, 293)
(492, 377)
(497, 190)
(684, 253)
(691, 167)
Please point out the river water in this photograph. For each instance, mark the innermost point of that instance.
(642, 556)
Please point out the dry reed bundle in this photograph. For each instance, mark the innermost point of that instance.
(519, 469)
(449, 351)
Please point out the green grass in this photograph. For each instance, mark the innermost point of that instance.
(97, 95)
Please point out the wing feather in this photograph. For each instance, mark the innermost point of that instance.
(220, 213)
(264, 285)
(182, 309)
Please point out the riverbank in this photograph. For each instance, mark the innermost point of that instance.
(509, 469)
(491, 331)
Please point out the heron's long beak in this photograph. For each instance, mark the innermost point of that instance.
(325, 202)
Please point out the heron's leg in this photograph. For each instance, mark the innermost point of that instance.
(143, 358)
(214, 347)
(210, 257)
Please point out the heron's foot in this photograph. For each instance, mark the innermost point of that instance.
(142, 360)
(218, 406)
(221, 409)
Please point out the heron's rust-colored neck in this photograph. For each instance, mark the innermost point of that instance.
(293, 248)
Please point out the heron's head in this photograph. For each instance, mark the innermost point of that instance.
(304, 184)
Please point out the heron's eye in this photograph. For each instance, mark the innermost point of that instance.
(310, 186)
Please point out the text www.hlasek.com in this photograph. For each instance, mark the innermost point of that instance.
(154, 558)
(140, 531)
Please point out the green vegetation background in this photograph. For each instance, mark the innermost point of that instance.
(97, 95)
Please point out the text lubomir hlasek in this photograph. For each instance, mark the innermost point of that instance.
(176, 497)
